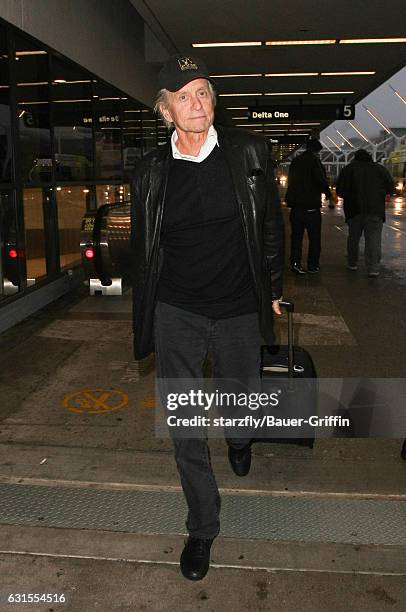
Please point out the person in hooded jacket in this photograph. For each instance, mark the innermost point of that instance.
(364, 185)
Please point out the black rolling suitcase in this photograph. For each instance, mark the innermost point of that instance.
(290, 369)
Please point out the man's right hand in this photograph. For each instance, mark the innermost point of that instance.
(276, 307)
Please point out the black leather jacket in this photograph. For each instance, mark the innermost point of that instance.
(307, 181)
(250, 163)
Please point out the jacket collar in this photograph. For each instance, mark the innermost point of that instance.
(234, 153)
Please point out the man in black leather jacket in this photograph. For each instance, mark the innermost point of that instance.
(207, 244)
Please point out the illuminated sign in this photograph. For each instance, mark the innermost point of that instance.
(301, 111)
(103, 119)
(284, 140)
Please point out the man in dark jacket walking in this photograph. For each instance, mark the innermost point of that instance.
(307, 181)
(207, 241)
(364, 185)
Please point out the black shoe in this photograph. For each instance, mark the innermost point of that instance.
(297, 268)
(240, 459)
(313, 270)
(195, 558)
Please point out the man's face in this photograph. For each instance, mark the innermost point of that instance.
(191, 108)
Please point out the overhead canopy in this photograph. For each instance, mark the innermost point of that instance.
(180, 25)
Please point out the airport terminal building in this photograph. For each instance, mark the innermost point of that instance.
(92, 509)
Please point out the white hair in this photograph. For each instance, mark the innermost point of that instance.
(162, 100)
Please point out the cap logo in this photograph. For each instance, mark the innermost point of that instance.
(186, 63)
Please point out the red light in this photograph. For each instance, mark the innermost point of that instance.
(12, 253)
(89, 253)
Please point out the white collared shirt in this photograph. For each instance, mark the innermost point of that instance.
(208, 146)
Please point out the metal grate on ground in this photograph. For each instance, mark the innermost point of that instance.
(271, 517)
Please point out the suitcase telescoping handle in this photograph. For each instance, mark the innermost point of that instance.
(289, 307)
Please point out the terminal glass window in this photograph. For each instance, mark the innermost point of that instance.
(149, 131)
(35, 202)
(162, 133)
(132, 136)
(6, 155)
(10, 253)
(31, 67)
(110, 194)
(72, 117)
(72, 202)
(107, 132)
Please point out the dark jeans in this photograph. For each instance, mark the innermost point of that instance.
(301, 220)
(371, 227)
(183, 340)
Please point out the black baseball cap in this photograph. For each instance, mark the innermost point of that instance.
(179, 70)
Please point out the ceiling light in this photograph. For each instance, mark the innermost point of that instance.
(226, 76)
(240, 94)
(358, 131)
(246, 117)
(249, 124)
(34, 103)
(70, 82)
(344, 138)
(330, 41)
(287, 93)
(334, 143)
(306, 123)
(348, 73)
(228, 44)
(22, 53)
(398, 94)
(291, 74)
(377, 120)
(400, 97)
(31, 84)
(237, 108)
(70, 101)
(330, 93)
(350, 41)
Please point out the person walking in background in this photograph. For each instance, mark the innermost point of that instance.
(364, 185)
(307, 181)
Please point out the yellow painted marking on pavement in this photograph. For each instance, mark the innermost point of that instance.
(95, 401)
(149, 401)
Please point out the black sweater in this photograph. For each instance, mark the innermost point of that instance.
(205, 266)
